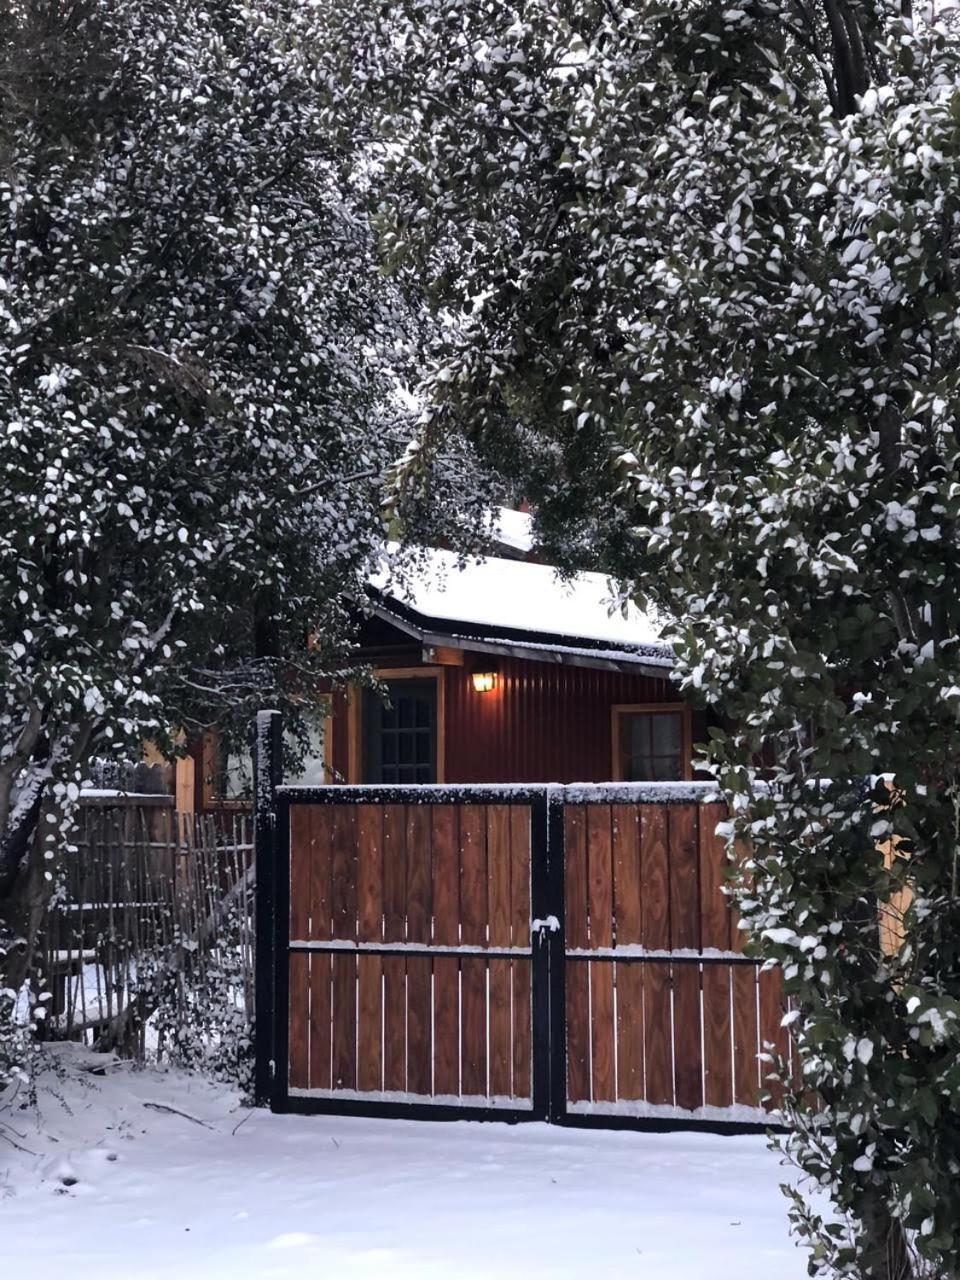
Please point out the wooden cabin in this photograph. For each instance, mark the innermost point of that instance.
(500, 672)
(495, 671)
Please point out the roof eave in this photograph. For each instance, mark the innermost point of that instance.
(612, 659)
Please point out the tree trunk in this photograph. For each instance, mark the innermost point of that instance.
(30, 880)
(885, 1252)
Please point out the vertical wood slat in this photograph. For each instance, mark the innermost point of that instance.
(656, 1032)
(299, 872)
(498, 891)
(320, 1009)
(299, 1001)
(344, 966)
(745, 1036)
(772, 1008)
(520, 969)
(419, 889)
(321, 923)
(299, 962)
(321, 872)
(684, 877)
(473, 931)
(600, 875)
(419, 1026)
(575, 873)
(369, 1031)
(578, 1030)
(687, 1049)
(344, 1020)
(369, 833)
(715, 910)
(600, 910)
(625, 828)
(654, 878)
(394, 967)
(419, 908)
(445, 843)
(630, 1019)
(717, 1044)
(445, 870)
(344, 873)
(577, 971)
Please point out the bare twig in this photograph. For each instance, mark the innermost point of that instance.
(25, 1150)
(162, 1106)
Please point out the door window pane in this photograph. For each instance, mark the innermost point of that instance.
(399, 740)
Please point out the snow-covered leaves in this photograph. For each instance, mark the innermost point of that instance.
(198, 364)
(195, 377)
(698, 268)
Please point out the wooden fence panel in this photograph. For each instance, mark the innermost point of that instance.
(659, 1014)
(148, 892)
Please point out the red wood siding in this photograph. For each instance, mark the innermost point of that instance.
(542, 723)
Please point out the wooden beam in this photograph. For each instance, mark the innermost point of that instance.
(443, 657)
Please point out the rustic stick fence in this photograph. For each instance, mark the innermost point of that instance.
(149, 942)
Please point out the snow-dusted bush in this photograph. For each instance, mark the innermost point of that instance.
(698, 265)
(200, 1008)
(18, 1025)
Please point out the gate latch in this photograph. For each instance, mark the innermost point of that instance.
(541, 927)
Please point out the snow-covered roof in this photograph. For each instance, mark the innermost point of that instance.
(513, 529)
(521, 606)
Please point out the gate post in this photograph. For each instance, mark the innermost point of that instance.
(267, 776)
(556, 863)
(549, 982)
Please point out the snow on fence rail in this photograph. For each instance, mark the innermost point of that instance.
(148, 944)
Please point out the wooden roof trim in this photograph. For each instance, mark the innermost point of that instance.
(598, 658)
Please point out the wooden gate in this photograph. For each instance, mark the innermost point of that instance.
(666, 1018)
(410, 964)
(561, 953)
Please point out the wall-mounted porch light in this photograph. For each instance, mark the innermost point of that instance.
(484, 681)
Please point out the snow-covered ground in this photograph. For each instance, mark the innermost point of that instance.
(153, 1195)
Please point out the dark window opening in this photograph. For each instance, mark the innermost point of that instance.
(651, 746)
(400, 739)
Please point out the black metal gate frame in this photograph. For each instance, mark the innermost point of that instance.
(547, 950)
